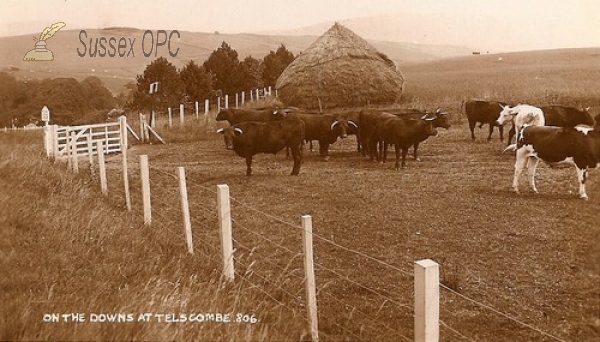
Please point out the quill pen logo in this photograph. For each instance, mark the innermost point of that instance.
(40, 53)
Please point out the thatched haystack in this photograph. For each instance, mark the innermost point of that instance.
(340, 69)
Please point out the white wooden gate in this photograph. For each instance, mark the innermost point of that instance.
(111, 134)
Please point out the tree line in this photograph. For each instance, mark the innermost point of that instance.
(74, 102)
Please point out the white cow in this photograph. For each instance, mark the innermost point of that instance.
(519, 115)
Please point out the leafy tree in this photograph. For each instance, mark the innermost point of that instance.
(275, 63)
(170, 88)
(197, 81)
(99, 97)
(250, 73)
(224, 65)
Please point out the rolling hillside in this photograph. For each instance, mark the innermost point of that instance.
(117, 71)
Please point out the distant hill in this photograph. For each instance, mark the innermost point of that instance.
(117, 71)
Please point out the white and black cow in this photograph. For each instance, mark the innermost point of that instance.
(579, 146)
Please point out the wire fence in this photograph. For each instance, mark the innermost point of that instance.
(268, 255)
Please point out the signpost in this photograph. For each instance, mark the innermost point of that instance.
(45, 115)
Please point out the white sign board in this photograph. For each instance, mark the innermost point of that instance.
(153, 87)
(45, 114)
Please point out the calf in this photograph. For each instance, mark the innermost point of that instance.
(484, 112)
(579, 146)
(253, 137)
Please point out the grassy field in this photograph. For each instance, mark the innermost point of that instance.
(533, 258)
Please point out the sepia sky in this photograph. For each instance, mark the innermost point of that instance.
(575, 21)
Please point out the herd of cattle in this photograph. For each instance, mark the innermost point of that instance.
(561, 134)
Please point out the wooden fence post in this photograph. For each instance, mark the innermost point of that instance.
(102, 168)
(206, 106)
(243, 97)
(218, 104)
(224, 210)
(181, 114)
(75, 161)
(237, 101)
(170, 118)
(145, 174)
(142, 128)
(309, 270)
(427, 301)
(226, 101)
(124, 145)
(196, 106)
(187, 223)
(90, 148)
(55, 142)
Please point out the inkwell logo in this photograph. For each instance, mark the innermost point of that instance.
(40, 53)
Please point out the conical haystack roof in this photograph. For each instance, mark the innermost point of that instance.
(340, 69)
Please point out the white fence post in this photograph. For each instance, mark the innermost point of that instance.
(145, 174)
(196, 107)
(237, 100)
(90, 148)
(427, 301)
(75, 161)
(187, 223)
(218, 104)
(124, 144)
(102, 168)
(206, 106)
(170, 118)
(309, 270)
(226, 101)
(224, 210)
(142, 128)
(181, 114)
(55, 141)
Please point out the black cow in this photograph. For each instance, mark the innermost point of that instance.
(402, 133)
(484, 112)
(253, 137)
(324, 128)
(578, 146)
(237, 115)
(353, 119)
(561, 116)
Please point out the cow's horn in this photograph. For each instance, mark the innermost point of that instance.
(239, 130)
(220, 130)
(429, 119)
(334, 123)
(352, 123)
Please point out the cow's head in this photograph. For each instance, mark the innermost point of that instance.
(340, 126)
(429, 128)
(441, 119)
(229, 135)
(506, 115)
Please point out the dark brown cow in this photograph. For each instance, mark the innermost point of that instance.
(324, 128)
(484, 112)
(235, 116)
(439, 120)
(402, 133)
(578, 146)
(253, 137)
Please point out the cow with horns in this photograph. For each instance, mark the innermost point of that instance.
(253, 137)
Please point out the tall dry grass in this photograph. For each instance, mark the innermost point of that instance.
(64, 248)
